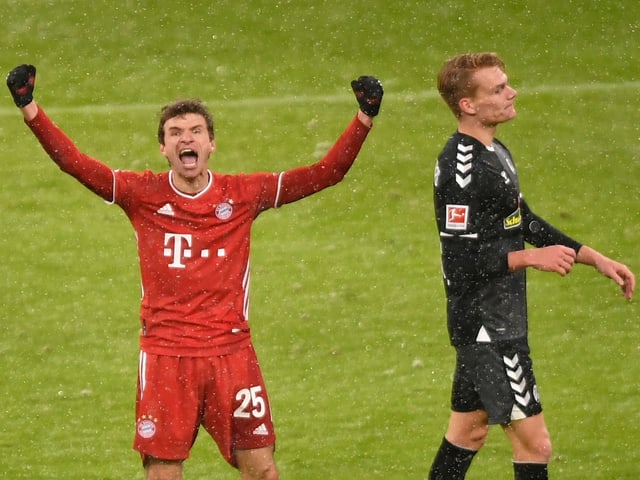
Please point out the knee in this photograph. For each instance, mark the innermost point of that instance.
(257, 464)
(478, 437)
(270, 473)
(265, 472)
(536, 449)
(468, 430)
(471, 439)
(542, 449)
(540, 446)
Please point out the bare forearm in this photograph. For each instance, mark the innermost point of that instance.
(554, 258)
(30, 111)
(519, 260)
(589, 256)
(560, 259)
(365, 119)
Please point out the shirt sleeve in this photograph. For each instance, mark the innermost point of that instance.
(92, 173)
(539, 233)
(304, 181)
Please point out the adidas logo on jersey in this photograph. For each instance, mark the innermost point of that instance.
(261, 430)
(166, 209)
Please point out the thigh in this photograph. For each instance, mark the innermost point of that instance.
(464, 394)
(167, 407)
(497, 378)
(237, 412)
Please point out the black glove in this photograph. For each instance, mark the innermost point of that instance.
(21, 82)
(369, 93)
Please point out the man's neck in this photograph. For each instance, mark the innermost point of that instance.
(482, 133)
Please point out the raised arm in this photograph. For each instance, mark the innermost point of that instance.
(303, 181)
(92, 173)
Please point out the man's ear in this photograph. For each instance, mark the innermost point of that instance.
(162, 149)
(466, 106)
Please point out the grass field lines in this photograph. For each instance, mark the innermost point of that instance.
(390, 96)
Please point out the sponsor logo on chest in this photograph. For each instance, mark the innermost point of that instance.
(512, 221)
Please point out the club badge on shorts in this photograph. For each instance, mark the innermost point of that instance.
(146, 426)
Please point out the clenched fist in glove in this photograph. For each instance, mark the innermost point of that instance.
(369, 93)
(21, 81)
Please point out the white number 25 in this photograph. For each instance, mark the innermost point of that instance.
(252, 403)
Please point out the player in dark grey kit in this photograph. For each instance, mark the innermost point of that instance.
(484, 222)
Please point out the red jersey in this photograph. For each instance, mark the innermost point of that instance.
(194, 249)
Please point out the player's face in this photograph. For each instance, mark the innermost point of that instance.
(493, 101)
(187, 145)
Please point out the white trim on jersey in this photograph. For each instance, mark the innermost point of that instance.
(186, 195)
(275, 204)
(142, 372)
(464, 235)
(246, 283)
(113, 190)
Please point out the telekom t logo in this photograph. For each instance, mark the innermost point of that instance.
(178, 246)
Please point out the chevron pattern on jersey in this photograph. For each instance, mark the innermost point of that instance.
(517, 380)
(464, 165)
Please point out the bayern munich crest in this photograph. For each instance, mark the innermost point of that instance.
(223, 211)
(146, 427)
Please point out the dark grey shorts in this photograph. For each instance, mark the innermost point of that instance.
(497, 378)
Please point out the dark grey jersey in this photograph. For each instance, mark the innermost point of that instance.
(481, 217)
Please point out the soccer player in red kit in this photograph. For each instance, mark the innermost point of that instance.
(197, 362)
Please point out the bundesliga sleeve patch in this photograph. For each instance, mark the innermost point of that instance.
(457, 216)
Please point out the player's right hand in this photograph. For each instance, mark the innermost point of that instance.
(554, 258)
(21, 82)
(369, 93)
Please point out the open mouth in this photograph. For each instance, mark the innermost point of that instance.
(188, 156)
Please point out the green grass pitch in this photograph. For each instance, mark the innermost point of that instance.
(347, 303)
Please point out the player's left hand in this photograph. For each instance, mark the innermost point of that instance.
(21, 82)
(620, 274)
(369, 93)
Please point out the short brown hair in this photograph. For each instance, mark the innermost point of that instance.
(454, 78)
(182, 107)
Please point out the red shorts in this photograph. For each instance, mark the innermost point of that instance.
(225, 394)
